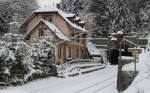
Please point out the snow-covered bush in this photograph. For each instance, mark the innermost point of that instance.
(47, 57)
(39, 60)
(7, 60)
(32, 63)
(20, 61)
(14, 25)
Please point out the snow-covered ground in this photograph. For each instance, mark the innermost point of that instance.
(142, 81)
(102, 81)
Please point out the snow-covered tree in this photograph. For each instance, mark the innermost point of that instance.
(7, 60)
(39, 60)
(72, 6)
(121, 15)
(20, 61)
(14, 25)
(32, 64)
(11, 8)
(144, 15)
(103, 16)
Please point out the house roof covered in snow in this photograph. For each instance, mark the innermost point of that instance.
(92, 49)
(67, 14)
(46, 9)
(52, 27)
(77, 18)
(63, 14)
(55, 30)
(81, 22)
(69, 22)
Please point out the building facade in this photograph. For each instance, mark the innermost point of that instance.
(64, 30)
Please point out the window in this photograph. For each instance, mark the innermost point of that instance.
(47, 17)
(72, 36)
(41, 32)
(77, 53)
(83, 38)
(82, 53)
(78, 37)
(69, 52)
(59, 52)
(64, 52)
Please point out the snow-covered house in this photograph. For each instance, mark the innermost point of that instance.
(64, 30)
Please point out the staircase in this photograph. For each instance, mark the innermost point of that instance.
(77, 67)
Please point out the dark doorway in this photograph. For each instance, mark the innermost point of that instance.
(114, 53)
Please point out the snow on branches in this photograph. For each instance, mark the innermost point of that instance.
(121, 15)
(20, 61)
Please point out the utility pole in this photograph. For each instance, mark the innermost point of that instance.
(119, 70)
(118, 38)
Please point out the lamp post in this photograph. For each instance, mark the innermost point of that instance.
(117, 38)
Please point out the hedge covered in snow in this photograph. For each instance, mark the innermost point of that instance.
(20, 63)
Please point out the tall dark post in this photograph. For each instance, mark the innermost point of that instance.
(135, 62)
(119, 70)
(119, 37)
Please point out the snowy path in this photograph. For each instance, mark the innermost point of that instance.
(102, 81)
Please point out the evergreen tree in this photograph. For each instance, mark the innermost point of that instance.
(121, 16)
(72, 6)
(39, 60)
(20, 61)
(143, 15)
(11, 8)
(103, 16)
(7, 60)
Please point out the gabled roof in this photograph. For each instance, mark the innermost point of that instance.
(69, 22)
(55, 30)
(64, 15)
(70, 15)
(46, 9)
(52, 27)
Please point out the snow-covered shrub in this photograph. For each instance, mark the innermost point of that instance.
(9, 37)
(39, 60)
(17, 49)
(18, 61)
(14, 25)
(47, 57)
(32, 63)
(7, 60)
(47, 50)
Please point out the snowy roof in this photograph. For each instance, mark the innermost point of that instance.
(46, 9)
(81, 22)
(92, 49)
(68, 14)
(72, 24)
(55, 30)
(77, 18)
(61, 13)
